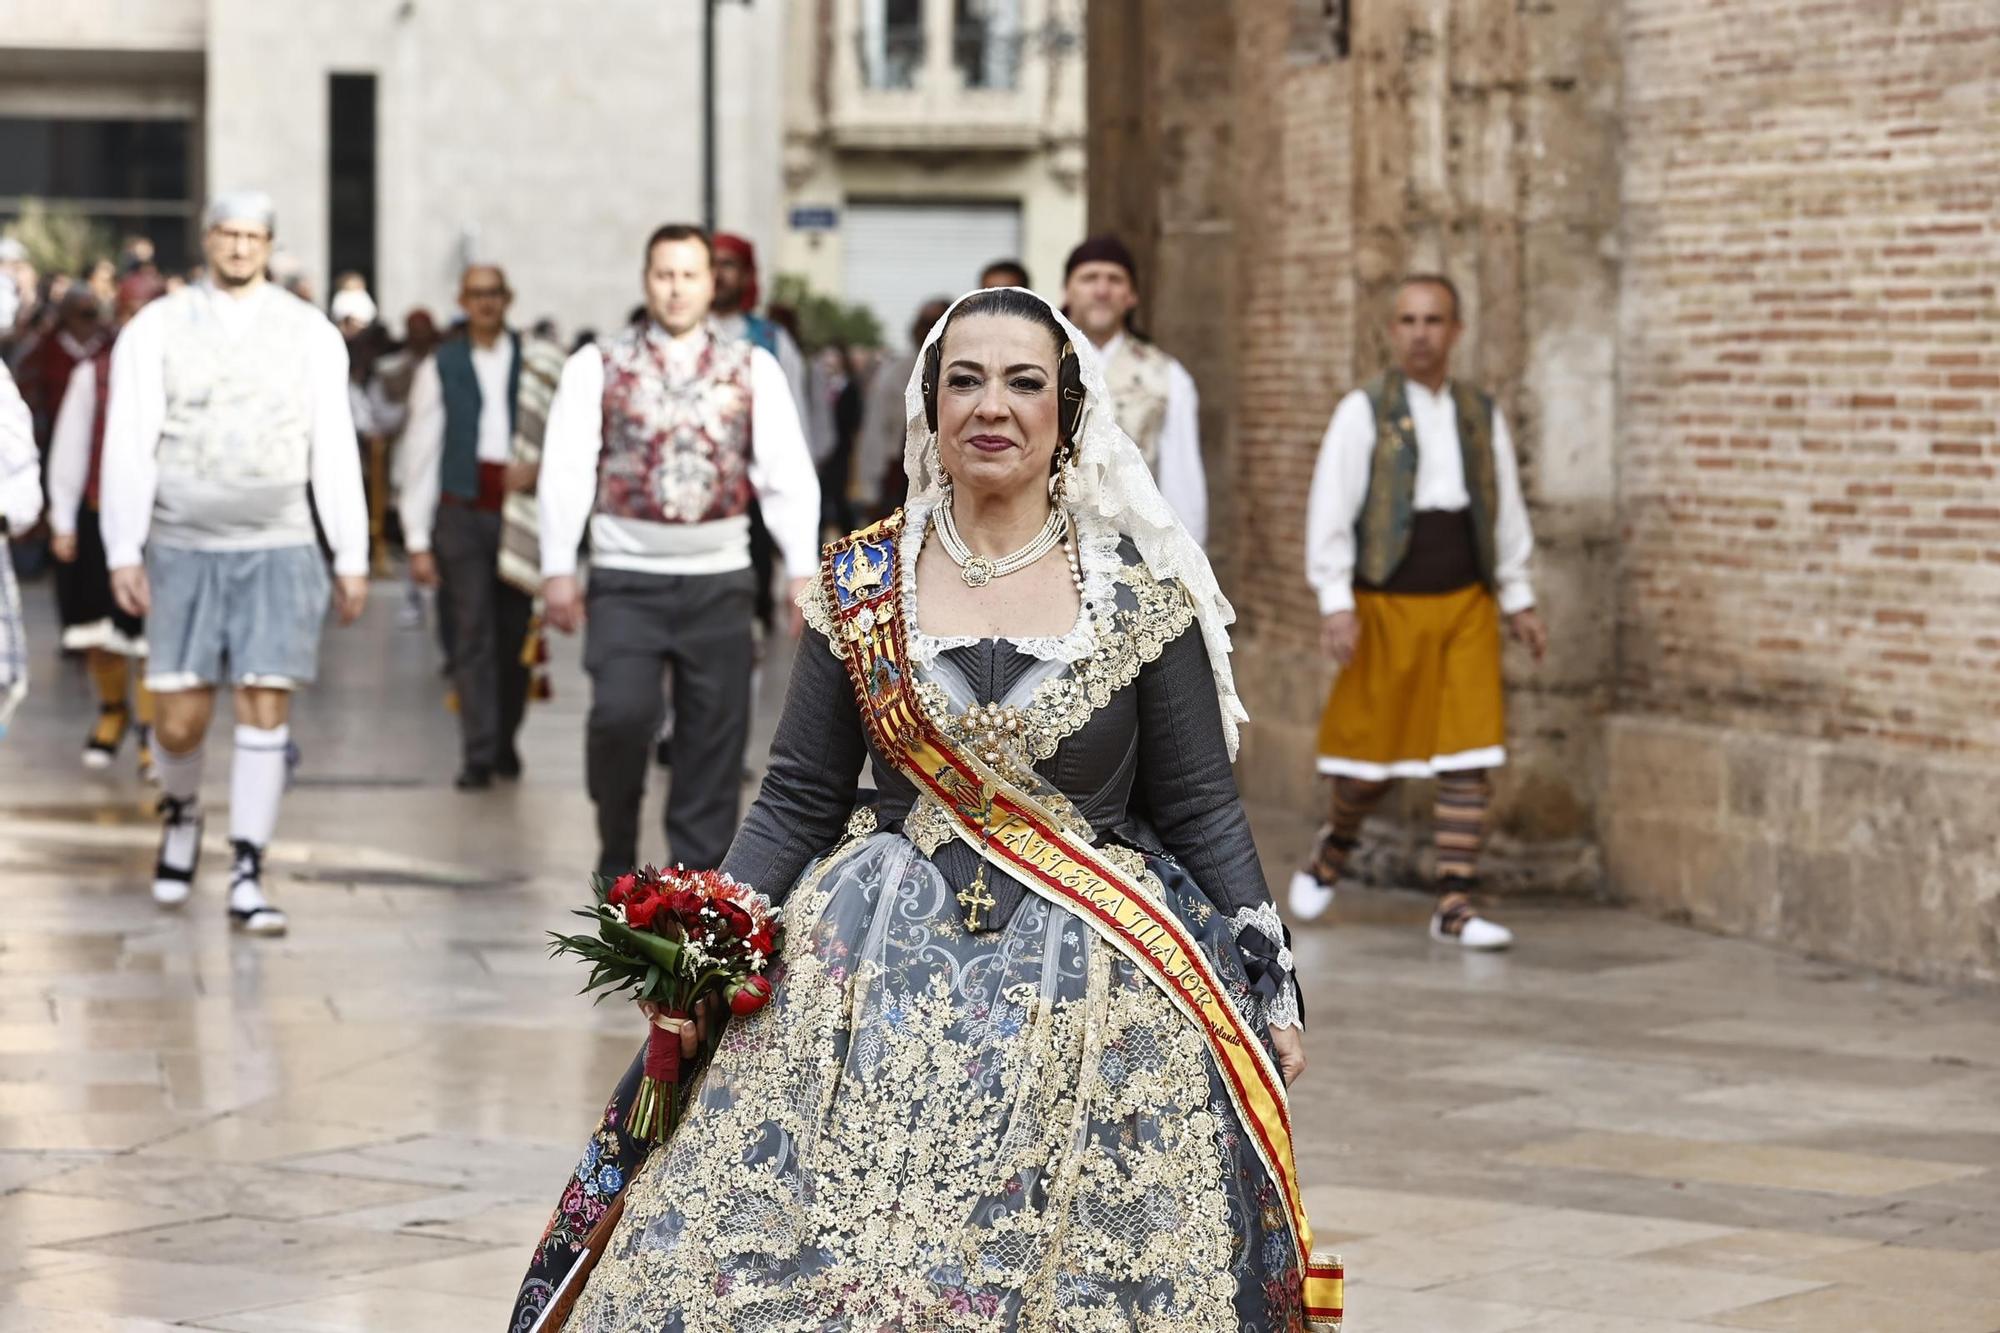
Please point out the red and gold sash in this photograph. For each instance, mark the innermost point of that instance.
(861, 576)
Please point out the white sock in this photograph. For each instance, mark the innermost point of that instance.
(257, 783)
(180, 774)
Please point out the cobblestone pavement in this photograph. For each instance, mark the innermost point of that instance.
(1621, 1127)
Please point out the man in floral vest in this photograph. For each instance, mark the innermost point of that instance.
(658, 440)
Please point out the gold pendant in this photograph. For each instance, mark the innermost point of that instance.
(977, 572)
(976, 900)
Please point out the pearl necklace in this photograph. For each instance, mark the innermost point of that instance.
(979, 570)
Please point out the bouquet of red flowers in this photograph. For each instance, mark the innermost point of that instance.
(675, 937)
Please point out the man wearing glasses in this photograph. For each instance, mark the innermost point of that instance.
(468, 403)
(228, 399)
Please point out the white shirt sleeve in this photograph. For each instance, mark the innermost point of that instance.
(1183, 481)
(387, 414)
(1339, 486)
(1513, 539)
(69, 448)
(422, 449)
(128, 471)
(20, 462)
(335, 466)
(781, 468)
(567, 490)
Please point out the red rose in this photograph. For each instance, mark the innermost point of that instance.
(640, 912)
(622, 889)
(685, 904)
(762, 941)
(734, 917)
(748, 995)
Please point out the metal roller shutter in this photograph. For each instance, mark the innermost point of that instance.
(897, 256)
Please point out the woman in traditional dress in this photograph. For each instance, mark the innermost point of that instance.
(1021, 1070)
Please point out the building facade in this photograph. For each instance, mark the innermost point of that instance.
(1732, 273)
(401, 137)
(926, 138)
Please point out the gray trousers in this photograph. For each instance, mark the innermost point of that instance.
(636, 626)
(489, 625)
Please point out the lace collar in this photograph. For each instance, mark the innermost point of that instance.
(1097, 544)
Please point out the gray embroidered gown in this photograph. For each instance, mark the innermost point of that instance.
(932, 1127)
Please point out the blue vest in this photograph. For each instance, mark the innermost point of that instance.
(762, 332)
(459, 473)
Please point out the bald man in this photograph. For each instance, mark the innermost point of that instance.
(471, 453)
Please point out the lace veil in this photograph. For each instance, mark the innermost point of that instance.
(1114, 484)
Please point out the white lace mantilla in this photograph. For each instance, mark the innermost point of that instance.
(1097, 552)
(1111, 485)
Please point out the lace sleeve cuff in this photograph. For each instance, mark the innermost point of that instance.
(1267, 955)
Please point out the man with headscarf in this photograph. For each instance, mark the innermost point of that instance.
(227, 400)
(1152, 393)
(737, 295)
(470, 405)
(93, 622)
(667, 431)
(1418, 546)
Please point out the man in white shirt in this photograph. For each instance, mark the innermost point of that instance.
(227, 399)
(458, 473)
(650, 441)
(1417, 543)
(1152, 394)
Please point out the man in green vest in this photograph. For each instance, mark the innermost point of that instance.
(1418, 545)
(461, 462)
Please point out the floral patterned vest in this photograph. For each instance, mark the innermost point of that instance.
(1138, 378)
(677, 448)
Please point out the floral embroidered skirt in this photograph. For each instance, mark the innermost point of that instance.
(931, 1129)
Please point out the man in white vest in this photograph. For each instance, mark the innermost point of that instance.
(228, 399)
(1152, 394)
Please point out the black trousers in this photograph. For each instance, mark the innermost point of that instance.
(489, 626)
(637, 625)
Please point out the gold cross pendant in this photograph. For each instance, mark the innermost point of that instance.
(976, 900)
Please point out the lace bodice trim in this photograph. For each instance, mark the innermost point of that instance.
(1097, 552)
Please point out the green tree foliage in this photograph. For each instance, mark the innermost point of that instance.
(60, 238)
(825, 321)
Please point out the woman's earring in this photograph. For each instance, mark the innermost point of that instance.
(1062, 481)
(934, 461)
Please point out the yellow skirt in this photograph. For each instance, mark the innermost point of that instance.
(1422, 694)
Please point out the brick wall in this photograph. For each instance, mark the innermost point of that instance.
(1808, 653)
(1730, 267)
(1811, 417)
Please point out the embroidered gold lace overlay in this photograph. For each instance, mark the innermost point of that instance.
(927, 824)
(912, 1161)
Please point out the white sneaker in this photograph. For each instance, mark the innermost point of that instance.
(180, 850)
(1308, 898)
(1474, 932)
(249, 910)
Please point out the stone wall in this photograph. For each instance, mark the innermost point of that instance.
(1731, 272)
(1456, 135)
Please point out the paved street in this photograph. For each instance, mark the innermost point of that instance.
(1622, 1127)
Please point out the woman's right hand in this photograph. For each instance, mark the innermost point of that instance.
(1290, 1045)
(62, 545)
(705, 1026)
(1338, 635)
